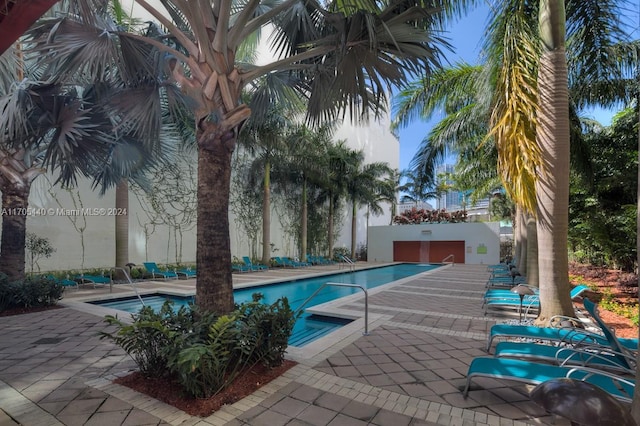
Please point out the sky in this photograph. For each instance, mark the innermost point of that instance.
(465, 36)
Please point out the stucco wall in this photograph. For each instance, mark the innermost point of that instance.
(477, 237)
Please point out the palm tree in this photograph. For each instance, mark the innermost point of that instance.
(552, 190)
(302, 169)
(266, 134)
(363, 183)
(511, 77)
(415, 189)
(343, 58)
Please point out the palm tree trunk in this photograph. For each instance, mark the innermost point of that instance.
(330, 227)
(304, 222)
(532, 271)
(214, 290)
(552, 186)
(353, 229)
(266, 215)
(14, 230)
(122, 224)
(523, 241)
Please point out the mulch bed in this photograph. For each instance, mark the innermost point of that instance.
(170, 391)
(22, 310)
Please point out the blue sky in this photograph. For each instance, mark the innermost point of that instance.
(465, 36)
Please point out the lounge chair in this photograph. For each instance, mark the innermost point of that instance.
(83, 279)
(593, 356)
(505, 281)
(506, 293)
(566, 334)
(529, 302)
(186, 273)
(156, 272)
(235, 267)
(295, 263)
(63, 281)
(620, 387)
(254, 266)
(287, 262)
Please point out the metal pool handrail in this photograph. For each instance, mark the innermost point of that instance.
(351, 263)
(366, 301)
(452, 257)
(126, 274)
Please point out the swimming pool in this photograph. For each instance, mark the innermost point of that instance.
(308, 327)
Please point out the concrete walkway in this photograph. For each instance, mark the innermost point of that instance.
(424, 331)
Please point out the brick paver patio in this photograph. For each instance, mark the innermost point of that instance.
(409, 370)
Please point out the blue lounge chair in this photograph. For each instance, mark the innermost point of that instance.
(239, 268)
(503, 282)
(505, 293)
(186, 273)
(529, 302)
(83, 279)
(620, 387)
(63, 281)
(254, 266)
(295, 263)
(156, 272)
(567, 334)
(288, 263)
(593, 356)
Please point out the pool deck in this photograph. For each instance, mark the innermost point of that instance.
(408, 370)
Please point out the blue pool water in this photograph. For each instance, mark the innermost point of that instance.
(308, 327)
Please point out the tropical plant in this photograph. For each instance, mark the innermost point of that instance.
(363, 184)
(71, 126)
(205, 352)
(511, 76)
(343, 57)
(301, 171)
(264, 137)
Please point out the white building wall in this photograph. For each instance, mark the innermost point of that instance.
(88, 241)
(477, 238)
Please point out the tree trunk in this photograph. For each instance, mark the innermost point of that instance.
(304, 222)
(532, 271)
(517, 234)
(353, 229)
(122, 226)
(552, 186)
(214, 289)
(524, 242)
(266, 215)
(14, 231)
(330, 227)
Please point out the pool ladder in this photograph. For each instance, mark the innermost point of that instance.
(131, 283)
(366, 301)
(351, 263)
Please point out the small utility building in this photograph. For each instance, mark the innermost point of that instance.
(472, 243)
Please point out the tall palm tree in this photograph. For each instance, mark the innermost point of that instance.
(343, 58)
(511, 77)
(363, 183)
(552, 189)
(264, 135)
(303, 168)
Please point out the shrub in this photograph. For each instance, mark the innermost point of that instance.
(205, 352)
(31, 293)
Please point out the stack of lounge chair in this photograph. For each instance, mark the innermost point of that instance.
(601, 358)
